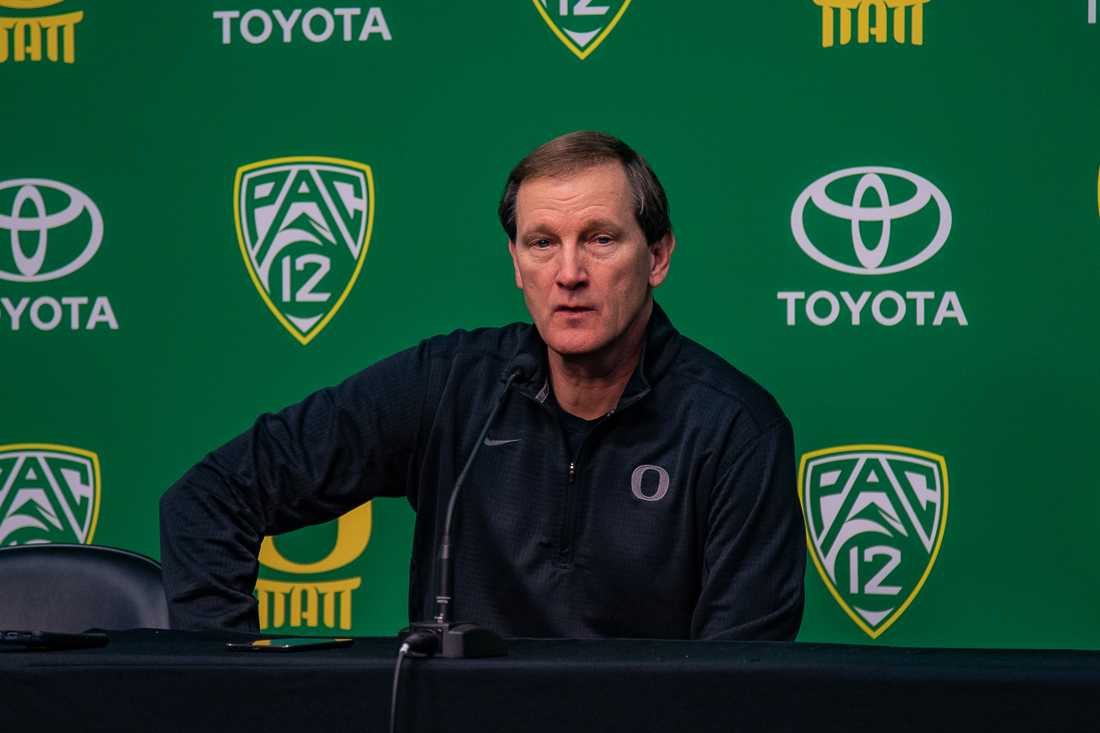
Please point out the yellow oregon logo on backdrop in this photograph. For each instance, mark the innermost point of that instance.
(579, 24)
(48, 493)
(875, 518)
(871, 20)
(26, 38)
(303, 225)
(311, 603)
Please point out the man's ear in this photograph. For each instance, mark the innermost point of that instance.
(660, 253)
(515, 263)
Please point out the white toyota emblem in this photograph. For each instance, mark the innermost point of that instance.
(33, 229)
(870, 259)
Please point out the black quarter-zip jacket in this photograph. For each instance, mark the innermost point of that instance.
(677, 517)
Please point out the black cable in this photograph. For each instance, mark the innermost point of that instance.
(401, 653)
(416, 644)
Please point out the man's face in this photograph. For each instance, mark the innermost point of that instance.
(581, 259)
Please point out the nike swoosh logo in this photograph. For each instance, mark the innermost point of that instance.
(490, 442)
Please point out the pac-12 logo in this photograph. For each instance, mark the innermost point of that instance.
(875, 517)
(579, 24)
(304, 225)
(48, 493)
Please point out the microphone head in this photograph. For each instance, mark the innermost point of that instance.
(523, 367)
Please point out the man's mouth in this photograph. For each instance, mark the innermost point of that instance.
(573, 309)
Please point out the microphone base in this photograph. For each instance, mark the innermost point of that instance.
(458, 641)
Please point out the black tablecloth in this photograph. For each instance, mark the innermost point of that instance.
(169, 681)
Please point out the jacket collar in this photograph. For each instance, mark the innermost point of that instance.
(659, 351)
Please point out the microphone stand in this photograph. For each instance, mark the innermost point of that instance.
(441, 636)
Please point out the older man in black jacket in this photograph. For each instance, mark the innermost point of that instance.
(633, 484)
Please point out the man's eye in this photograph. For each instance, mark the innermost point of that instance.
(540, 243)
(603, 239)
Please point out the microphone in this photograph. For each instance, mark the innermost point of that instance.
(440, 635)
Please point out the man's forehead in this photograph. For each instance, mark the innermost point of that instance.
(597, 186)
(604, 170)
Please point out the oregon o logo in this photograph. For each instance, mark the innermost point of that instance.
(637, 483)
(49, 234)
(311, 601)
(875, 519)
(872, 260)
(352, 537)
(48, 493)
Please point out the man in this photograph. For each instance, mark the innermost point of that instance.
(633, 484)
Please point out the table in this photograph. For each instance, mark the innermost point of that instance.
(148, 680)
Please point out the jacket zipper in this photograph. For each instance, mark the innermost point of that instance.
(567, 541)
(567, 537)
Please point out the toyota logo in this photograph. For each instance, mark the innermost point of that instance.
(30, 224)
(871, 258)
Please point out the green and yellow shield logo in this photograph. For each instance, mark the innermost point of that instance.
(48, 493)
(875, 517)
(304, 224)
(579, 24)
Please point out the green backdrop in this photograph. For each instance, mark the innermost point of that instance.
(973, 196)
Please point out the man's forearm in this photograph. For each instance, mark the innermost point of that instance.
(208, 554)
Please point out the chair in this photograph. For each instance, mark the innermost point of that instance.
(58, 587)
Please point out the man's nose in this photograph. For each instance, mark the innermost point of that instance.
(572, 272)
